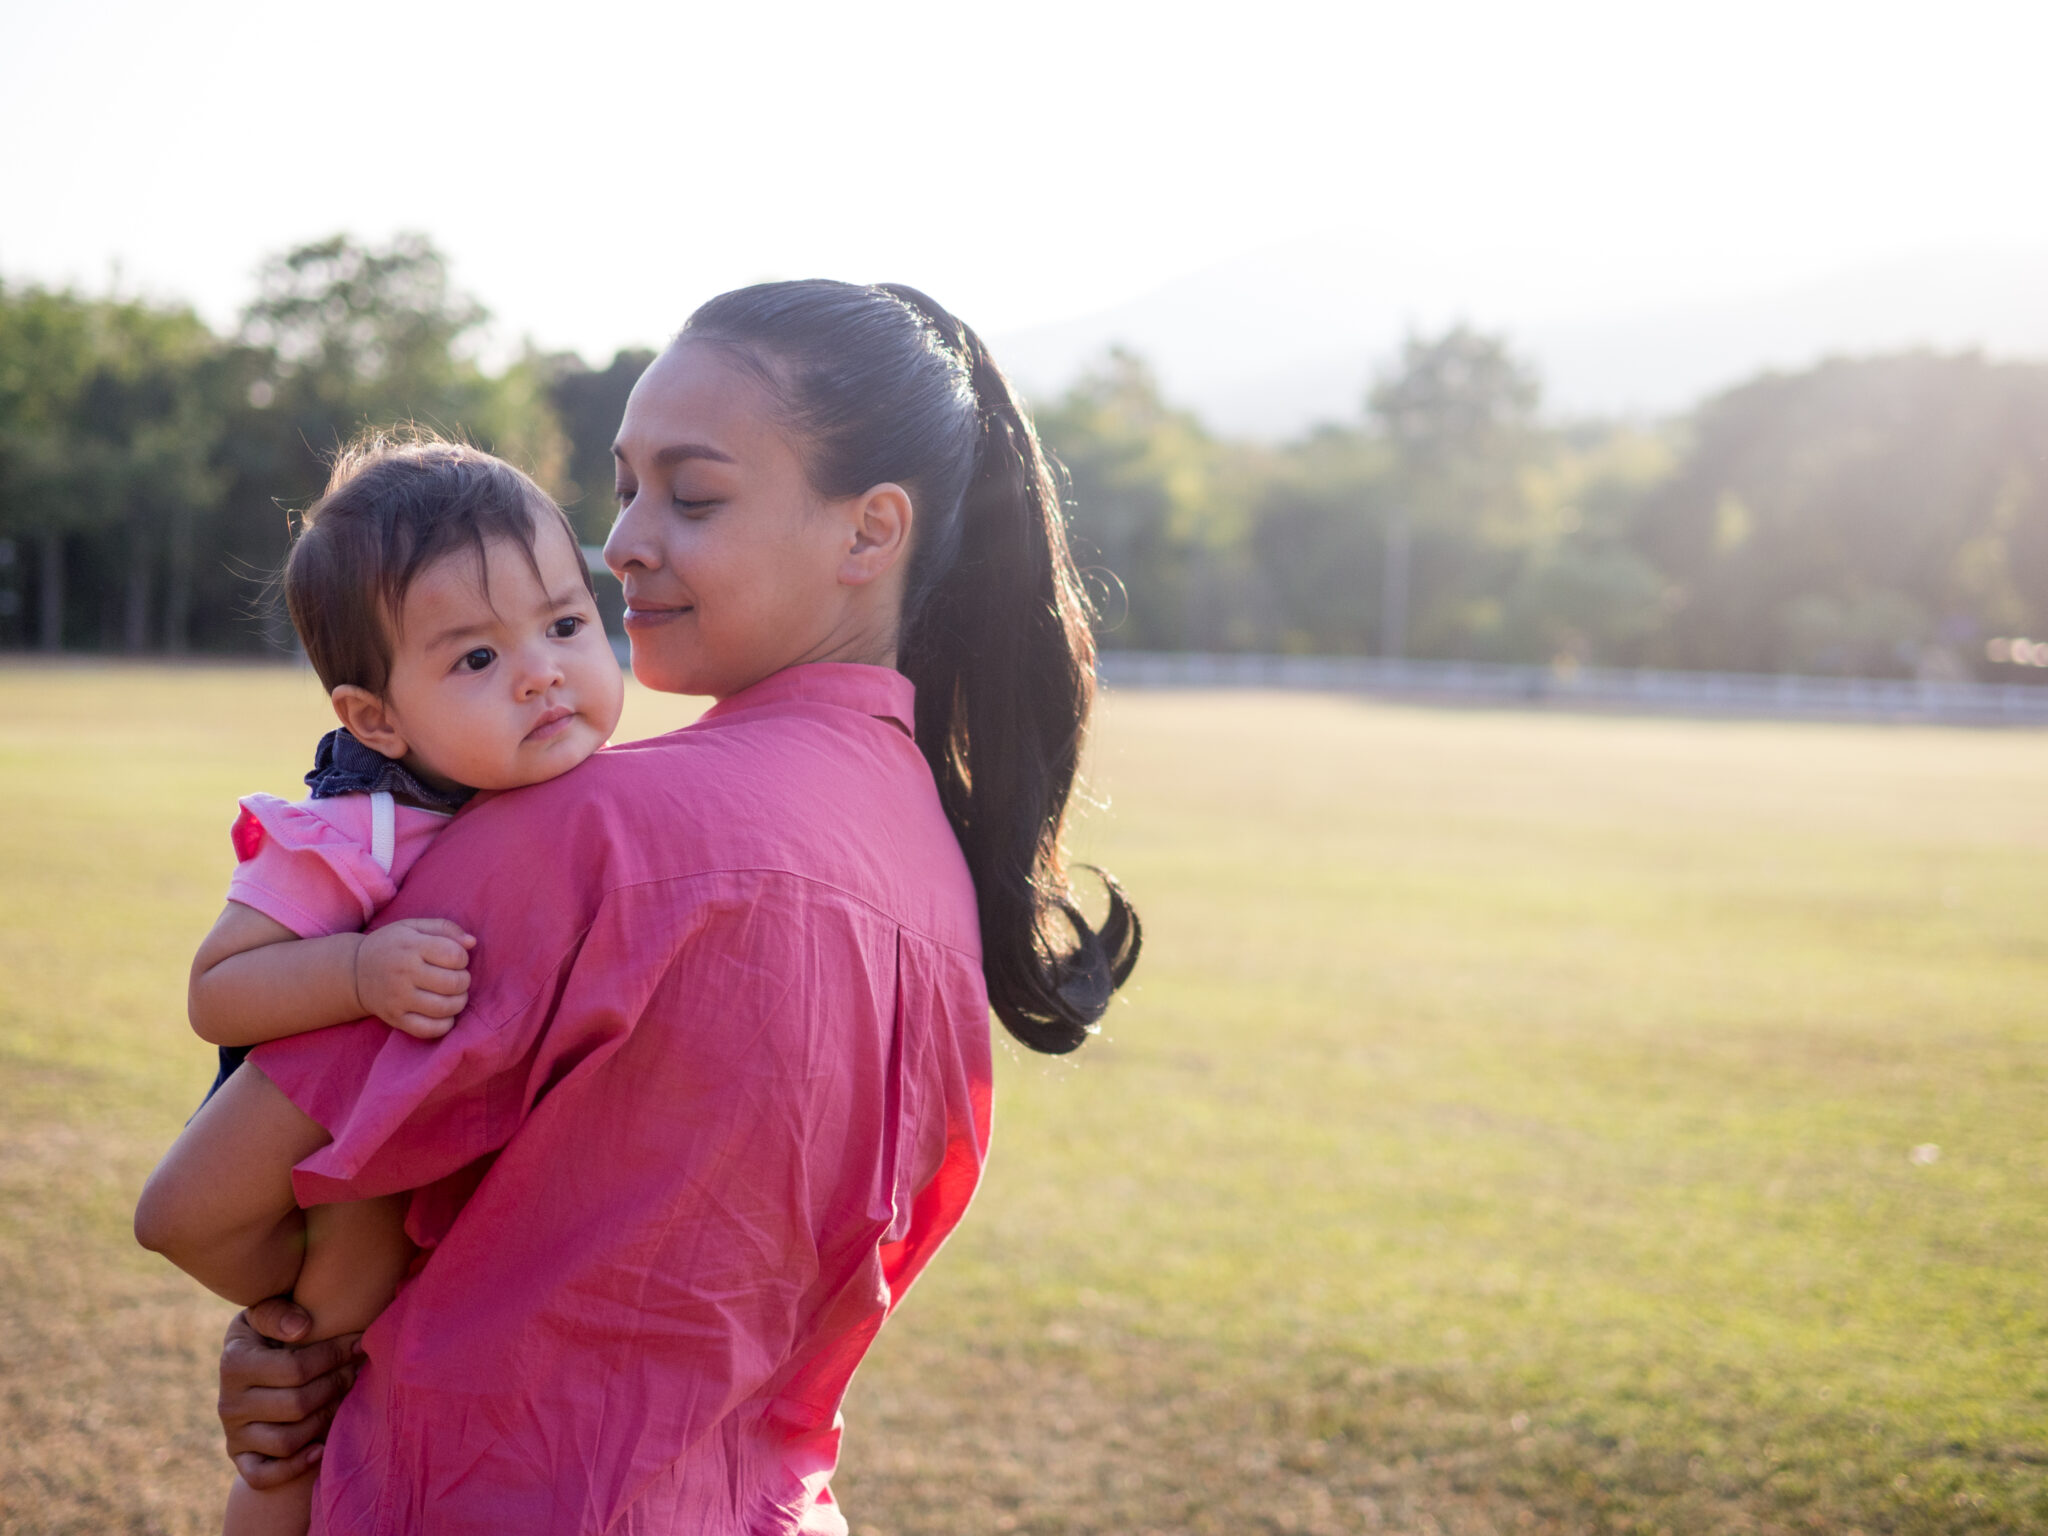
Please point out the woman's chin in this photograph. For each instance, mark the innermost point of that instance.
(663, 673)
(649, 672)
(699, 671)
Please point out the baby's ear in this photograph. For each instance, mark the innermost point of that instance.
(364, 717)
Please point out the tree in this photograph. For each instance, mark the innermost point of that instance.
(1874, 515)
(151, 424)
(150, 465)
(1583, 590)
(365, 336)
(1459, 414)
(1158, 511)
(1456, 408)
(46, 356)
(346, 336)
(1319, 539)
(589, 403)
(108, 426)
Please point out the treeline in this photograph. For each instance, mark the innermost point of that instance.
(1879, 516)
(148, 467)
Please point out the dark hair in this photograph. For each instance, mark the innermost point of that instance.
(879, 384)
(397, 501)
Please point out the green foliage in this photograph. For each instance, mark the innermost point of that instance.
(364, 329)
(1318, 539)
(151, 463)
(1582, 590)
(1520, 538)
(589, 403)
(109, 415)
(355, 336)
(1158, 510)
(1864, 516)
(46, 361)
(1459, 415)
(1879, 516)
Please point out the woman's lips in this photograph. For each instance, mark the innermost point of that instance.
(649, 618)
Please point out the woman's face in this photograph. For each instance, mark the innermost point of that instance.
(734, 567)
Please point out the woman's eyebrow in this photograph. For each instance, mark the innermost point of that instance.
(676, 453)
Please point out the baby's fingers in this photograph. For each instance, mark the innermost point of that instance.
(445, 954)
(435, 1004)
(422, 1026)
(439, 981)
(441, 927)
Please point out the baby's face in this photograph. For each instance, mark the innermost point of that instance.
(510, 688)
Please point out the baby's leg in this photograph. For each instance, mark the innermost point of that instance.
(355, 1256)
(286, 1511)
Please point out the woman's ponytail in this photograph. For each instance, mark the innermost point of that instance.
(881, 384)
(1004, 662)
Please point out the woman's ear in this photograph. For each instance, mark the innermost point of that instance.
(878, 526)
(364, 716)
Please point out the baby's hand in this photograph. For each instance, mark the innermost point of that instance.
(414, 974)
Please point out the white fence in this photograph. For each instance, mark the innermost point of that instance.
(1715, 693)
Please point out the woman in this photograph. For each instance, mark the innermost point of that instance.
(722, 1085)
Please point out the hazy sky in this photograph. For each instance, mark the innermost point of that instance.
(596, 169)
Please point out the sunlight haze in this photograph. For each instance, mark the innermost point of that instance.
(594, 172)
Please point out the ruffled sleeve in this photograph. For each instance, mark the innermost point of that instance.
(307, 868)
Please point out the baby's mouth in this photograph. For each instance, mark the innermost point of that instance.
(552, 723)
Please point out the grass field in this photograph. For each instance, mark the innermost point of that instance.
(1512, 1129)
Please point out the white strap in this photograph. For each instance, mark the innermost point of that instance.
(383, 829)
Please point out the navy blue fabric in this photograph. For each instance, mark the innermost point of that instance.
(344, 766)
(231, 1057)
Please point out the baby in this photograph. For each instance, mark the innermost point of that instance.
(446, 608)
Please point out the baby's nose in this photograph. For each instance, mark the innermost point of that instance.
(542, 672)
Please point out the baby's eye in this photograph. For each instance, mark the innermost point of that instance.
(622, 494)
(478, 659)
(565, 628)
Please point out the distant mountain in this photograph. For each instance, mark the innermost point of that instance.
(1268, 345)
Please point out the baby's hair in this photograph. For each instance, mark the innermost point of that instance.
(397, 501)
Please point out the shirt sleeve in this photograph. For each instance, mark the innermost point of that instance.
(303, 868)
(406, 1113)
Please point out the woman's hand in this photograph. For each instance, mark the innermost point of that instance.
(276, 1401)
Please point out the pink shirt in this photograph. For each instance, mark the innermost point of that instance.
(721, 1090)
(311, 865)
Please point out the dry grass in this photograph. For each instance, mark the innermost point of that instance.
(1510, 1132)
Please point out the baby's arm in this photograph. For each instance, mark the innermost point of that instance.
(255, 980)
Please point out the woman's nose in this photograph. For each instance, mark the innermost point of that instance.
(629, 543)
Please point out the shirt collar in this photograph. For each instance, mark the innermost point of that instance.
(882, 692)
(344, 766)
